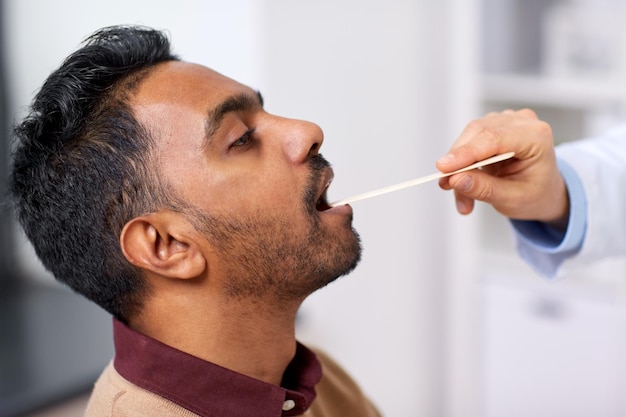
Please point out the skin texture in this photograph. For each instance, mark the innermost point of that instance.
(228, 274)
(527, 187)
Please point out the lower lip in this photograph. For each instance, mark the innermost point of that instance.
(341, 209)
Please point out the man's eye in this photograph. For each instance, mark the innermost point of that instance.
(243, 140)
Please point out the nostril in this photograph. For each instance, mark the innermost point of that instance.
(314, 148)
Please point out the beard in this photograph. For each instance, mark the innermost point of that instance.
(265, 257)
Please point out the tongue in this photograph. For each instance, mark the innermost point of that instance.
(322, 205)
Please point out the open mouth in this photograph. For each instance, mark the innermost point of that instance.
(322, 201)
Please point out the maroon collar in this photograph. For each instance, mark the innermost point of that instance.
(208, 389)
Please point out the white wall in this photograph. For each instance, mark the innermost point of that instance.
(41, 33)
(382, 79)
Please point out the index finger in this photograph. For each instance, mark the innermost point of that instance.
(493, 134)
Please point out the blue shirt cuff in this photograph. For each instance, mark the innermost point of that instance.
(545, 239)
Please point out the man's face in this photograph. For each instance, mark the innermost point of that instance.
(256, 180)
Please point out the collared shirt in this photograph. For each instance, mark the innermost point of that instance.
(208, 389)
(546, 248)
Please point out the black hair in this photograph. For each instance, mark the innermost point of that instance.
(83, 166)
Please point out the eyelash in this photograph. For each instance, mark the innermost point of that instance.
(244, 140)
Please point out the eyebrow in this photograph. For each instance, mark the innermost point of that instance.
(235, 103)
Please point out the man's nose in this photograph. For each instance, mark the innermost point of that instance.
(302, 140)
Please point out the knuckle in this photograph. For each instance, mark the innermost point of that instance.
(529, 113)
(544, 129)
(491, 134)
(486, 132)
(476, 125)
(485, 192)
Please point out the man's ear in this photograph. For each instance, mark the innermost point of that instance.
(164, 243)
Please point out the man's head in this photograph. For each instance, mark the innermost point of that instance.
(133, 166)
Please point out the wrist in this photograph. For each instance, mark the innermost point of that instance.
(561, 219)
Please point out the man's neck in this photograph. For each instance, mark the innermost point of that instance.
(246, 337)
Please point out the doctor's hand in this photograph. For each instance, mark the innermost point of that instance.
(526, 187)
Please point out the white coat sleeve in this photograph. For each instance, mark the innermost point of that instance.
(598, 181)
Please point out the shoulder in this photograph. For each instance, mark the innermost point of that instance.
(114, 396)
(338, 393)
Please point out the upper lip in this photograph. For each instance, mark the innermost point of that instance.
(321, 203)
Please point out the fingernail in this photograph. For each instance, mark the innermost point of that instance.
(460, 206)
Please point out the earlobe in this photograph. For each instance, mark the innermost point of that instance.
(163, 243)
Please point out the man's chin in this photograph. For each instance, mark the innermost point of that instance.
(347, 257)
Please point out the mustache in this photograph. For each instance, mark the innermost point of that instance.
(317, 165)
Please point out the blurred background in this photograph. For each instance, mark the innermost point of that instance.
(440, 318)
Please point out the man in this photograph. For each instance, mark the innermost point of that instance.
(163, 191)
(567, 205)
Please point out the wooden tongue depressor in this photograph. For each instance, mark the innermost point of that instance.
(422, 180)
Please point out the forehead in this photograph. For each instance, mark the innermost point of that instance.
(186, 84)
(174, 102)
